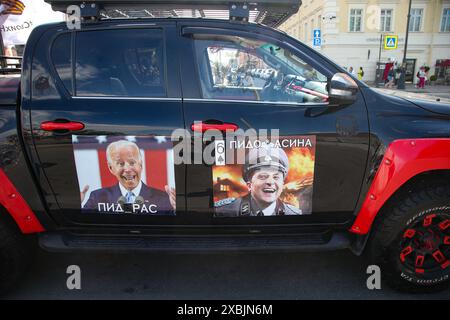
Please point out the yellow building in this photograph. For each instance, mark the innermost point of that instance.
(351, 31)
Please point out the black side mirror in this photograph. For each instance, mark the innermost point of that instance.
(343, 89)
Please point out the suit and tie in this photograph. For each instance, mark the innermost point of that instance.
(112, 195)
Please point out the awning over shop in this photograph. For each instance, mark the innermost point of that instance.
(443, 63)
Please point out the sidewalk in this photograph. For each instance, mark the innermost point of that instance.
(437, 89)
(435, 93)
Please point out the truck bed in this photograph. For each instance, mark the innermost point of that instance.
(9, 86)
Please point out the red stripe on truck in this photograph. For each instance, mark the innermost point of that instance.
(17, 207)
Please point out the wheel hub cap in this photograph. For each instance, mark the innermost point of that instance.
(425, 246)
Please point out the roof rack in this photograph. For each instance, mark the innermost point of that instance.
(268, 12)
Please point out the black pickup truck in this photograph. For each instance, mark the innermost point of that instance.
(133, 134)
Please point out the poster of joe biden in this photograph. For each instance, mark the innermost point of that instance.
(125, 174)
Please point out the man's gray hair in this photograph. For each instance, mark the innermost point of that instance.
(119, 144)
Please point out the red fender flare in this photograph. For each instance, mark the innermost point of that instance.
(17, 207)
(404, 159)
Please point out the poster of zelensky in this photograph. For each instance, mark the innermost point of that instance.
(128, 174)
(276, 179)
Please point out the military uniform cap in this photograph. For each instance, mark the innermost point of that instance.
(266, 156)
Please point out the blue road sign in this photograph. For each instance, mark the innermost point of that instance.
(317, 33)
(390, 42)
(317, 40)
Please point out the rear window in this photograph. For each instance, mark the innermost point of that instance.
(128, 62)
(62, 60)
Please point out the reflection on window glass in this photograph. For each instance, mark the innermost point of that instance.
(236, 68)
(445, 23)
(415, 22)
(386, 18)
(355, 20)
(108, 66)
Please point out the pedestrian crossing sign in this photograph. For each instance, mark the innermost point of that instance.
(390, 42)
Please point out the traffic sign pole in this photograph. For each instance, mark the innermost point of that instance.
(401, 81)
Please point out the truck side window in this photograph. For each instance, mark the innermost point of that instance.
(237, 68)
(127, 62)
(62, 60)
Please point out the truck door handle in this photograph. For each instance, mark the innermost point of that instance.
(218, 125)
(62, 125)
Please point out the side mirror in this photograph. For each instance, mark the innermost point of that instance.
(343, 89)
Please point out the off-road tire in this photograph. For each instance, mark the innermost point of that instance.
(16, 253)
(390, 238)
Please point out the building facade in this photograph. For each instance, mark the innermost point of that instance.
(353, 33)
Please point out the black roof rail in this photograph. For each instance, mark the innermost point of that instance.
(268, 12)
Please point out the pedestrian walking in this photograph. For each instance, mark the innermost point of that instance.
(390, 79)
(360, 73)
(351, 71)
(397, 73)
(422, 76)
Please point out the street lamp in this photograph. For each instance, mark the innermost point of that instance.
(401, 81)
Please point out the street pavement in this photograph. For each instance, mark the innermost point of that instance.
(323, 275)
(439, 93)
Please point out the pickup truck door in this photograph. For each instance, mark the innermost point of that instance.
(223, 88)
(114, 82)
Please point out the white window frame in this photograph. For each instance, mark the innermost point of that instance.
(391, 24)
(350, 19)
(442, 29)
(422, 20)
(305, 32)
